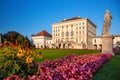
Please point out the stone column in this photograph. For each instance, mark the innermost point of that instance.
(107, 43)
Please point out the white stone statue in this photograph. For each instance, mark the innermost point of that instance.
(107, 22)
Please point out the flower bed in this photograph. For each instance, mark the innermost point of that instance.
(71, 67)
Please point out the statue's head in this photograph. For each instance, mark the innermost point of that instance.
(107, 11)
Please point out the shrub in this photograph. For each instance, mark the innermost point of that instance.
(18, 61)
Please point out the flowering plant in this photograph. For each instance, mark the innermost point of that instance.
(18, 61)
(71, 67)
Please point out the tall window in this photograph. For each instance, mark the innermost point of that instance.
(83, 27)
(62, 28)
(62, 34)
(83, 32)
(80, 32)
(76, 33)
(76, 28)
(67, 33)
(95, 41)
(79, 39)
(79, 27)
(72, 33)
(76, 39)
(71, 27)
(67, 27)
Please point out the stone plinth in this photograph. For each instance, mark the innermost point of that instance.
(107, 43)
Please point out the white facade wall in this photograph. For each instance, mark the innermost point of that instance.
(40, 41)
(79, 31)
(115, 40)
(49, 44)
(97, 41)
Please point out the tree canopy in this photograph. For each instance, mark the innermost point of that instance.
(16, 38)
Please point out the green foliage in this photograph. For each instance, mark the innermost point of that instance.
(16, 38)
(16, 63)
(118, 53)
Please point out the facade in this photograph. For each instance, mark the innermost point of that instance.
(74, 33)
(39, 40)
(98, 44)
(49, 44)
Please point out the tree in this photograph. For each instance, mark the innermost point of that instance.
(16, 38)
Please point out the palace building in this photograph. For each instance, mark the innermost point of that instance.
(74, 33)
(97, 42)
(39, 39)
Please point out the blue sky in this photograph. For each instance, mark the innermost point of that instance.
(31, 16)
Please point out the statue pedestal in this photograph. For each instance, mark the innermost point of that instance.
(107, 43)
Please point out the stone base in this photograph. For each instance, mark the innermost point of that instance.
(107, 43)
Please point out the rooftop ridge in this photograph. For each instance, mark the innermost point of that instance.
(43, 33)
(73, 18)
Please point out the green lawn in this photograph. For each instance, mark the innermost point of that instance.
(110, 70)
(52, 54)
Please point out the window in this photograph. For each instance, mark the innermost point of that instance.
(62, 34)
(79, 39)
(67, 28)
(67, 33)
(83, 27)
(76, 39)
(76, 28)
(72, 33)
(79, 32)
(71, 25)
(79, 27)
(83, 32)
(76, 33)
(62, 27)
(95, 40)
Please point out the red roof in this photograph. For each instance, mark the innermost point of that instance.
(43, 33)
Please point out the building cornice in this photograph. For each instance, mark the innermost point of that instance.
(78, 19)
